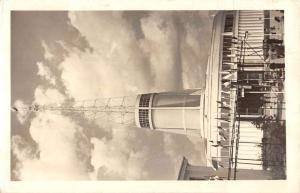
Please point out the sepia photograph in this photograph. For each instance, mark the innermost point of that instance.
(148, 95)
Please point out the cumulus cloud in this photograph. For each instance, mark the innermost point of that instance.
(45, 73)
(62, 150)
(22, 148)
(47, 52)
(115, 67)
(44, 96)
(164, 57)
(119, 157)
(120, 64)
(22, 114)
(194, 45)
(191, 148)
(23, 151)
(56, 157)
(168, 57)
(160, 45)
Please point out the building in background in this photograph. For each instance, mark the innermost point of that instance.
(193, 172)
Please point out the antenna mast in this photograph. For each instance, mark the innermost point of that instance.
(116, 109)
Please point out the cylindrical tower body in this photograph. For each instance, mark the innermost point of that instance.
(175, 112)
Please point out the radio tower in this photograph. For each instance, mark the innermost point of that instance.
(117, 109)
(179, 112)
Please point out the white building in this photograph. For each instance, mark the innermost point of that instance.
(224, 112)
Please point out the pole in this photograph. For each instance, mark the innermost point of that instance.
(260, 143)
(265, 92)
(252, 65)
(239, 116)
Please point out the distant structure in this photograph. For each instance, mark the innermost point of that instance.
(192, 172)
(244, 79)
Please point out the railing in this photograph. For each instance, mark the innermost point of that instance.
(234, 158)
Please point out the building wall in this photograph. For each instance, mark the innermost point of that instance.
(176, 118)
(175, 100)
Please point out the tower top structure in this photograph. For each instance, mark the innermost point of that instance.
(178, 112)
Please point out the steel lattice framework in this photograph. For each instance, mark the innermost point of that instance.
(116, 109)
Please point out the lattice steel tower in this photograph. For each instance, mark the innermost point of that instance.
(178, 112)
(117, 109)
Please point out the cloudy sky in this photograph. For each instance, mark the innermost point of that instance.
(63, 56)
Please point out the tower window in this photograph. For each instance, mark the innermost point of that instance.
(145, 100)
(144, 118)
